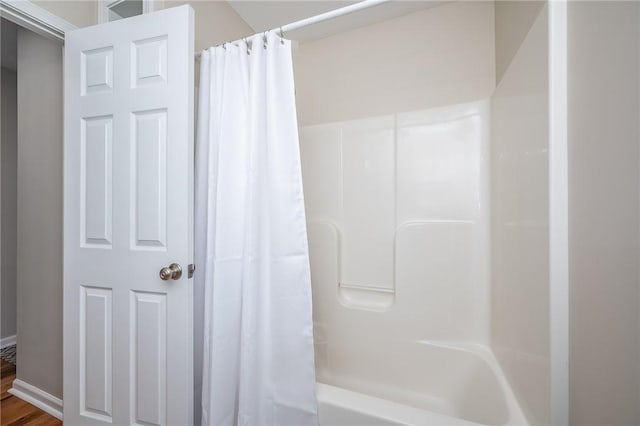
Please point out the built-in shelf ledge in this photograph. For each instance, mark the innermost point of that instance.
(366, 297)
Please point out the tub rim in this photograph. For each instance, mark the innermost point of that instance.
(409, 415)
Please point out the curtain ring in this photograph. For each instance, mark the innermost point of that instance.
(224, 45)
(281, 36)
(264, 39)
(246, 44)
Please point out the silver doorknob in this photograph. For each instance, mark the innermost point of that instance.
(171, 272)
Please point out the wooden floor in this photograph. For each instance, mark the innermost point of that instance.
(13, 410)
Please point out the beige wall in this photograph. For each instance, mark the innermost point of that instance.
(604, 135)
(520, 226)
(216, 22)
(81, 13)
(435, 57)
(40, 212)
(513, 22)
(8, 147)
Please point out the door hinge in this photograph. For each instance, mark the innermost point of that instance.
(191, 269)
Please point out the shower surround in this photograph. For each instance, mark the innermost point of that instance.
(426, 191)
(398, 216)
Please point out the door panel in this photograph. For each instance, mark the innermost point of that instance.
(149, 184)
(96, 360)
(95, 177)
(149, 356)
(128, 335)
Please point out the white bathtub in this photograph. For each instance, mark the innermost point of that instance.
(455, 384)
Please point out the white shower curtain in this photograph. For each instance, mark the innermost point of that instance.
(251, 240)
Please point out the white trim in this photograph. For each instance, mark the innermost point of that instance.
(44, 23)
(558, 214)
(7, 341)
(35, 18)
(35, 396)
(148, 6)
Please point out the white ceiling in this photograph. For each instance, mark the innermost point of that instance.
(262, 15)
(9, 48)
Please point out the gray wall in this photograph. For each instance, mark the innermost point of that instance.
(604, 164)
(40, 212)
(8, 153)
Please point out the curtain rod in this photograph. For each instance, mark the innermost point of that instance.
(364, 4)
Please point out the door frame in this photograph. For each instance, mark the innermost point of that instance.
(148, 6)
(44, 23)
(35, 18)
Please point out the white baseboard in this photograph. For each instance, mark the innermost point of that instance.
(7, 341)
(41, 399)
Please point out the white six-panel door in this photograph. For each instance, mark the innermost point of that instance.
(128, 181)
